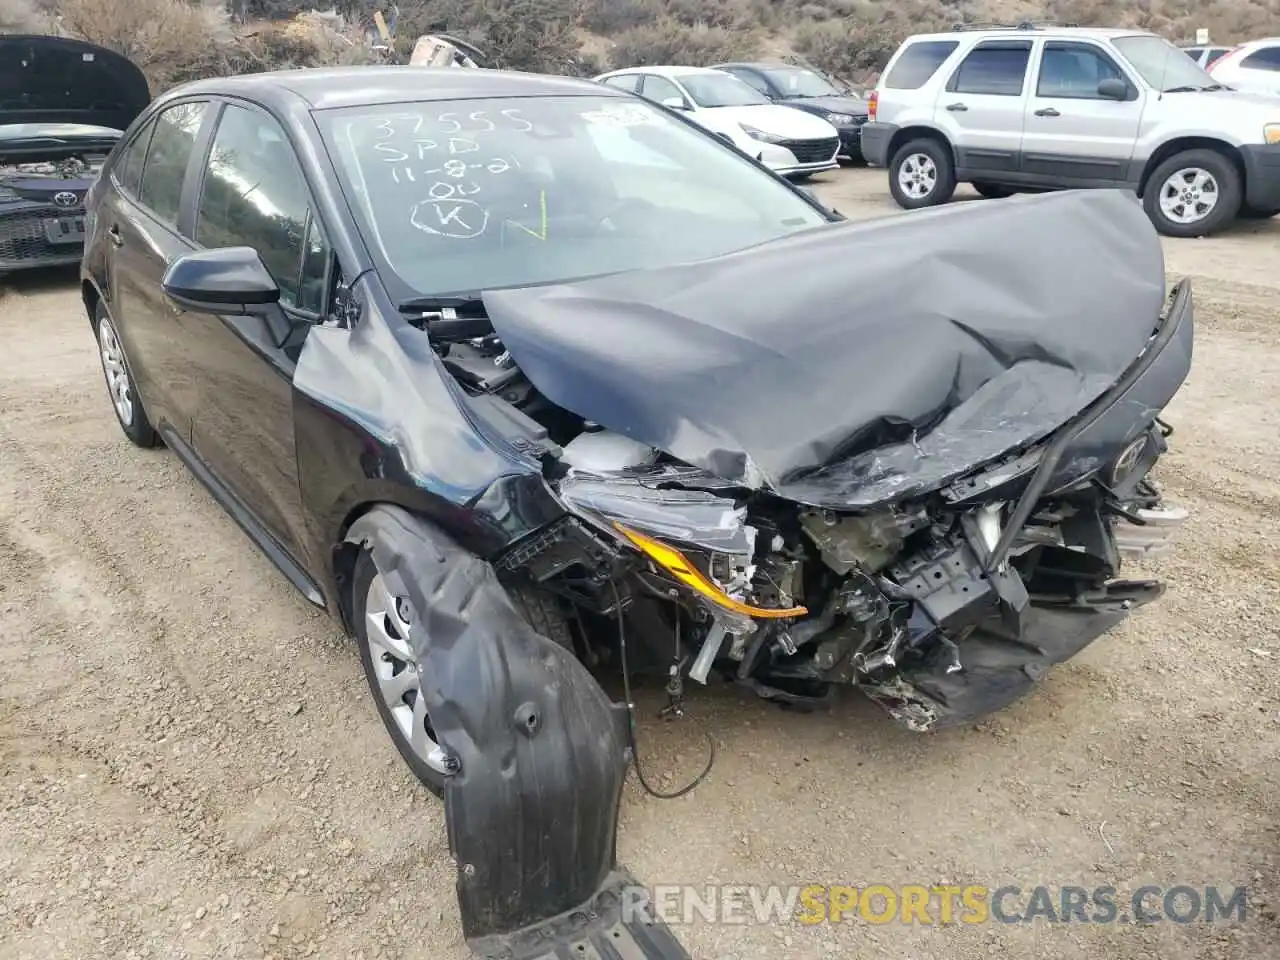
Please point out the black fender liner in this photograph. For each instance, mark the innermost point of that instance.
(541, 752)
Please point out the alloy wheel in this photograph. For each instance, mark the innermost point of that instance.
(398, 674)
(917, 176)
(117, 373)
(1189, 195)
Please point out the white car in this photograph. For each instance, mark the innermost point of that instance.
(1252, 66)
(785, 140)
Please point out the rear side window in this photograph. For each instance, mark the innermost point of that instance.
(129, 169)
(918, 62)
(172, 143)
(1268, 58)
(1193, 52)
(993, 69)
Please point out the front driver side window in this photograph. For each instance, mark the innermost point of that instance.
(1072, 71)
(254, 195)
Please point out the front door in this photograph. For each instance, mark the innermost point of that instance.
(982, 107)
(254, 195)
(1074, 137)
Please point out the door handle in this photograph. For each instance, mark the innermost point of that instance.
(1048, 112)
(957, 107)
(113, 234)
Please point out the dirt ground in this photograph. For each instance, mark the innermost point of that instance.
(190, 765)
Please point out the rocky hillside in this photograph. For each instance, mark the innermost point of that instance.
(178, 39)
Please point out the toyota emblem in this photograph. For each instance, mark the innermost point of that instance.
(65, 198)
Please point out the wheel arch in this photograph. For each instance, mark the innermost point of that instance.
(918, 131)
(91, 296)
(1178, 145)
(532, 731)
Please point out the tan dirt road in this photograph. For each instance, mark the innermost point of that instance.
(190, 765)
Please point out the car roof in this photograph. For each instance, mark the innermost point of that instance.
(1097, 33)
(763, 64)
(326, 88)
(666, 70)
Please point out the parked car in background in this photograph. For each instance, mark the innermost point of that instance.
(789, 142)
(1252, 66)
(808, 90)
(1205, 56)
(63, 106)
(1044, 108)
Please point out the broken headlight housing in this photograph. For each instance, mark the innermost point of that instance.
(696, 539)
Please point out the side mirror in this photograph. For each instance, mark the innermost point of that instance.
(1113, 89)
(675, 103)
(229, 280)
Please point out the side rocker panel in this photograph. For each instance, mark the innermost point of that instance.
(532, 811)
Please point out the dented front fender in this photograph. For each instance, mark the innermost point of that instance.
(541, 751)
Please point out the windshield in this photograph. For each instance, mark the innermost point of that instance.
(1162, 65)
(720, 90)
(469, 195)
(798, 82)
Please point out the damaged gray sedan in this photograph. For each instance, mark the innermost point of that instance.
(529, 382)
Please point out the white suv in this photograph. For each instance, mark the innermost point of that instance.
(1049, 108)
(1253, 66)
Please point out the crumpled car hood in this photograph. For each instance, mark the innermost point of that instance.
(858, 363)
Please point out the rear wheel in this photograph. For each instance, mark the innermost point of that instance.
(922, 174)
(395, 675)
(1193, 193)
(1253, 213)
(120, 384)
(993, 191)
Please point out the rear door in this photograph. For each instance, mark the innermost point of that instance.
(982, 108)
(1075, 137)
(143, 220)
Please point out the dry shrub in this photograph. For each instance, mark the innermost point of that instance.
(310, 39)
(668, 41)
(534, 35)
(170, 40)
(610, 17)
(23, 16)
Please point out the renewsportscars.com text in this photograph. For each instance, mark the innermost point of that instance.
(935, 904)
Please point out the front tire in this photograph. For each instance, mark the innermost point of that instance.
(381, 623)
(121, 388)
(1193, 194)
(922, 174)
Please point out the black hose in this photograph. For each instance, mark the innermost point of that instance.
(631, 715)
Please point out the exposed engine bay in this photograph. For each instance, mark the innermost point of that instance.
(79, 167)
(942, 606)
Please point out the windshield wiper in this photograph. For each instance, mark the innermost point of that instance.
(1184, 89)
